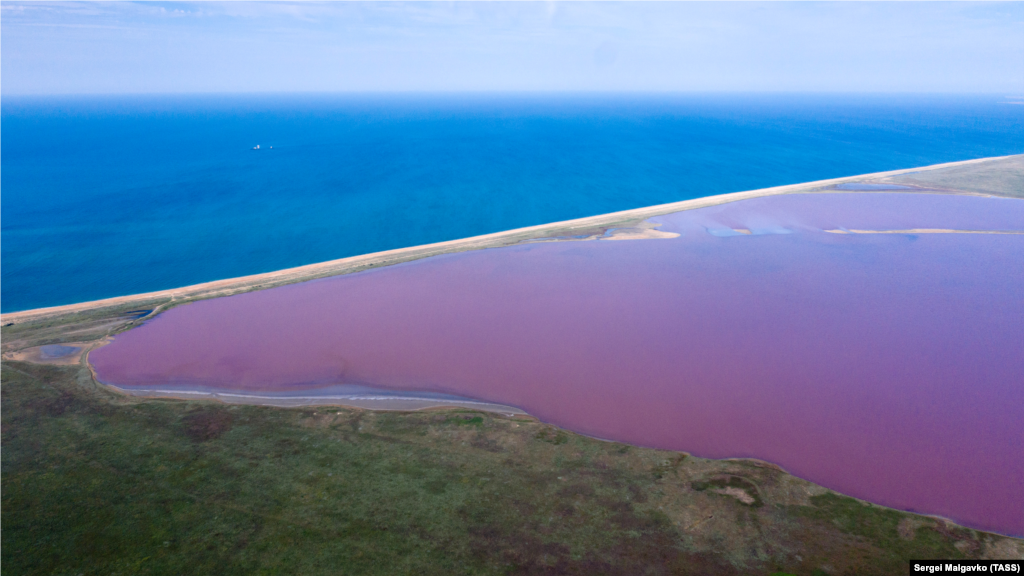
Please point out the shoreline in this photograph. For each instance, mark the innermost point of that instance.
(408, 402)
(600, 224)
(384, 400)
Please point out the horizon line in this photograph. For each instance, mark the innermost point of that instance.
(490, 92)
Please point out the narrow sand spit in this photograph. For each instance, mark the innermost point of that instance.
(623, 219)
(404, 403)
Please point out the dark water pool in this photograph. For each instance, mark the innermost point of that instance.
(51, 351)
(885, 366)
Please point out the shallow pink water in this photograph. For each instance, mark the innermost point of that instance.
(888, 367)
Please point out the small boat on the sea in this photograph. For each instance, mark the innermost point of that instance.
(256, 147)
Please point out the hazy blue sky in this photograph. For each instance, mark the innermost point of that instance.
(60, 48)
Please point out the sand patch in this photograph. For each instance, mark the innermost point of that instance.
(645, 231)
(403, 403)
(737, 493)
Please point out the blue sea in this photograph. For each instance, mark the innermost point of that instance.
(107, 196)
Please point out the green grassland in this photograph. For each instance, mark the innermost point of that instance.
(98, 483)
(1001, 177)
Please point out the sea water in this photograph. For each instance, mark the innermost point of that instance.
(108, 196)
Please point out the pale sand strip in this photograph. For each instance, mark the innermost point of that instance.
(406, 403)
(926, 231)
(357, 263)
(639, 234)
(643, 231)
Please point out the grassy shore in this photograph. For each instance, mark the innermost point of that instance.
(98, 483)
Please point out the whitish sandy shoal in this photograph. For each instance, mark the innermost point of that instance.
(593, 225)
(404, 403)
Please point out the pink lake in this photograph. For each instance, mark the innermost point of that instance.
(889, 367)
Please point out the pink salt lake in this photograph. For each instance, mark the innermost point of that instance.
(889, 367)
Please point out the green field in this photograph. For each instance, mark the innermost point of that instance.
(97, 483)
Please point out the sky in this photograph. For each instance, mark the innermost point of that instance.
(217, 47)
